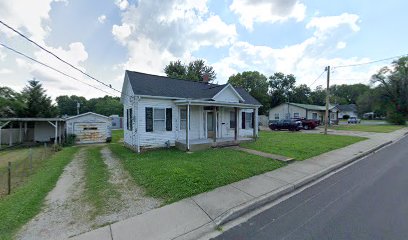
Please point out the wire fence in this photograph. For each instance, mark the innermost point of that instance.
(17, 165)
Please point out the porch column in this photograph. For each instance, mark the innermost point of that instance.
(25, 130)
(215, 123)
(10, 135)
(59, 135)
(56, 132)
(255, 123)
(188, 127)
(20, 137)
(236, 124)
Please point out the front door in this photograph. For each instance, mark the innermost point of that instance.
(210, 125)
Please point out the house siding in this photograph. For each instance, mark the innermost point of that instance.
(282, 110)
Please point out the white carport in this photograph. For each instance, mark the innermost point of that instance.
(44, 129)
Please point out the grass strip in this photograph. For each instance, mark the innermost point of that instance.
(299, 145)
(380, 128)
(26, 201)
(171, 175)
(98, 190)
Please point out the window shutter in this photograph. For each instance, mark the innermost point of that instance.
(149, 119)
(127, 119)
(131, 119)
(169, 122)
(243, 120)
(253, 120)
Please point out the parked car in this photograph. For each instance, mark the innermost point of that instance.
(307, 123)
(353, 120)
(290, 124)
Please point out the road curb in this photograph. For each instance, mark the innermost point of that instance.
(261, 201)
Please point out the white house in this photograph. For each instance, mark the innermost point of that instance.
(161, 111)
(349, 110)
(297, 110)
(89, 127)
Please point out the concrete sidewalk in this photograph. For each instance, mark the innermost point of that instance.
(192, 217)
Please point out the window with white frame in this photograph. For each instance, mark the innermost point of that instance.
(276, 116)
(159, 119)
(248, 120)
(183, 118)
(296, 115)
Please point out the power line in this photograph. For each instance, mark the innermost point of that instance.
(46, 50)
(45, 65)
(370, 62)
(321, 74)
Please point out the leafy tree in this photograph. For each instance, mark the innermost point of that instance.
(255, 84)
(108, 106)
(347, 94)
(194, 71)
(11, 103)
(37, 103)
(318, 96)
(281, 86)
(68, 105)
(394, 85)
(176, 70)
(300, 94)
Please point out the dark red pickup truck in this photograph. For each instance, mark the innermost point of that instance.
(307, 123)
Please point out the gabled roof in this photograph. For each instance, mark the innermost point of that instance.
(160, 86)
(347, 108)
(88, 113)
(312, 107)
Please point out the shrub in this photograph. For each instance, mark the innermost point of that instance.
(396, 118)
(346, 117)
(70, 140)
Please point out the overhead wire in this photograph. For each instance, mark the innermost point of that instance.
(50, 67)
(56, 56)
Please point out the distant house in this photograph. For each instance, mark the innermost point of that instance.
(117, 122)
(349, 110)
(161, 111)
(298, 110)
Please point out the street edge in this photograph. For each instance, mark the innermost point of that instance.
(265, 199)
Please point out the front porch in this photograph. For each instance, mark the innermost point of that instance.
(201, 144)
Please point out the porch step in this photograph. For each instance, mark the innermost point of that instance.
(263, 154)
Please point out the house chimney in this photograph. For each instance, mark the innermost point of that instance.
(206, 78)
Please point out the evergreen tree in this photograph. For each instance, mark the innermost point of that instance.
(37, 103)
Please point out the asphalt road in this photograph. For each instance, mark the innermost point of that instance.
(368, 200)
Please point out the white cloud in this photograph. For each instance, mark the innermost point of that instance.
(341, 45)
(5, 71)
(121, 33)
(306, 60)
(3, 55)
(27, 16)
(102, 19)
(156, 32)
(122, 4)
(267, 11)
(327, 23)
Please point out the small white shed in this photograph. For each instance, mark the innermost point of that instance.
(89, 128)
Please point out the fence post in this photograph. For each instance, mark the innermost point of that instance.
(9, 178)
(31, 161)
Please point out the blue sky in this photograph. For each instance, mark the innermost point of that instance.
(290, 36)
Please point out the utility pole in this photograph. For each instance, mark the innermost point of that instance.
(326, 117)
(78, 105)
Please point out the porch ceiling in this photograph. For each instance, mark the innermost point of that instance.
(214, 103)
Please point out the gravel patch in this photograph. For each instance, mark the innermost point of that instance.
(131, 200)
(64, 212)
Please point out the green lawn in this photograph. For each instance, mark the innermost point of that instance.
(299, 145)
(26, 201)
(171, 175)
(117, 136)
(380, 128)
(98, 189)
